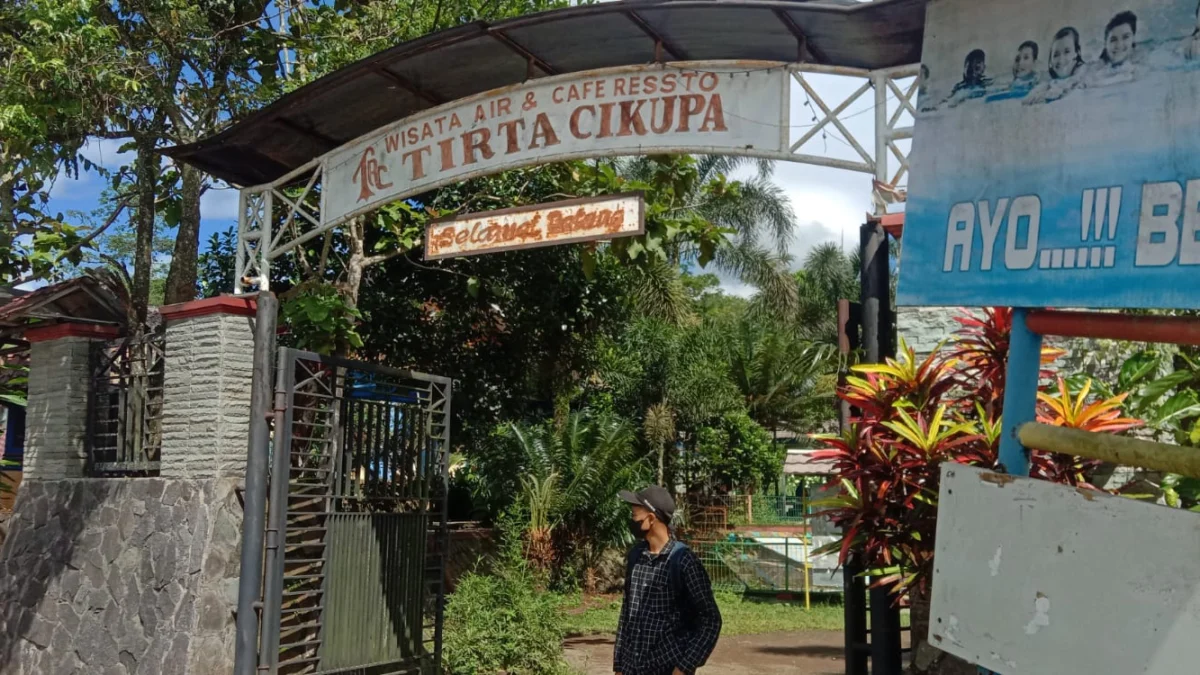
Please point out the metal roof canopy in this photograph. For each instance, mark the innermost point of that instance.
(482, 56)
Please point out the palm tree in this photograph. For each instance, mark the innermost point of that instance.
(828, 275)
(785, 379)
(756, 211)
(659, 430)
(570, 476)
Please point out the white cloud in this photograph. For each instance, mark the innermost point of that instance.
(220, 202)
(106, 153)
(830, 204)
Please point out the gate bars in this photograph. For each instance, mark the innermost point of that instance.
(356, 533)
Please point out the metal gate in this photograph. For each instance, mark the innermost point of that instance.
(356, 536)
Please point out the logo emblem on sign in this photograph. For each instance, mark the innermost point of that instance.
(369, 175)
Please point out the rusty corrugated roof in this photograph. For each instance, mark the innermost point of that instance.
(802, 463)
(80, 299)
(481, 56)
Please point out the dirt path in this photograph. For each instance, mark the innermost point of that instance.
(804, 653)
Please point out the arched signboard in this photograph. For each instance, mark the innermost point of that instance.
(627, 111)
(693, 107)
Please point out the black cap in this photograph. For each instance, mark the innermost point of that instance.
(655, 498)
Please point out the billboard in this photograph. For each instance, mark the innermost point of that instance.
(620, 111)
(1056, 156)
(565, 222)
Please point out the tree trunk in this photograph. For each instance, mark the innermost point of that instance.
(148, 164)
(8, 207)
(181, 279)
(927, 659)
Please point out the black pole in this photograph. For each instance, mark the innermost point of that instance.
(886, 654)
(254, 518)
(855, 621)
(876, 293)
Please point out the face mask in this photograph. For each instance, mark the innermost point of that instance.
(635, 528)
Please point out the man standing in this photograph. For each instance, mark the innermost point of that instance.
(669, 619)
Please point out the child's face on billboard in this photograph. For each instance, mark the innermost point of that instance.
(1025, 62)
(1063, 55)
(1119, 43)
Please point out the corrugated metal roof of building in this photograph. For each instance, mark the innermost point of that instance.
(481, 56)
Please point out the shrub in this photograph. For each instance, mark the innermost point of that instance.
(735, 452)
(500, 623)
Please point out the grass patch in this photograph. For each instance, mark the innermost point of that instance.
(592, 615)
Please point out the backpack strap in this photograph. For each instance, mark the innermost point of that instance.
(675, 572)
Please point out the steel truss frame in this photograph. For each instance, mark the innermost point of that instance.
(269, 220)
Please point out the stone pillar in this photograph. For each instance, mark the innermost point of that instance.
(59, 381)
(206, 390)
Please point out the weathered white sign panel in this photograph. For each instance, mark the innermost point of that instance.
(564, 222)
(1056, 155)
(1034, 577)
(659, 108)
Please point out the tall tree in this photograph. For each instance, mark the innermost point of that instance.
(787, 381)
(828, 275)
(755, 211)
(149, 74)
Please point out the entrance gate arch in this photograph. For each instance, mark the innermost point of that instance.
(385, 129)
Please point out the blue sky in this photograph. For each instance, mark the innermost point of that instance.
(218, 207)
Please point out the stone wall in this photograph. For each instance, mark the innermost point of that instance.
(120, 576)
(923, 328)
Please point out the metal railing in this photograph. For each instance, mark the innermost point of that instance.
(125, 407)
(772, 565)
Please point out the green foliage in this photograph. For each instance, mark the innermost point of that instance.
(737, 453)
(320, 319)
(828, 275)
(785, 379)
(215, 266)
(1163, 389)
(501, 623)
(568, 477)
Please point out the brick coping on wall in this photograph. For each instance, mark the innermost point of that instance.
(57, 331)
(238, 305)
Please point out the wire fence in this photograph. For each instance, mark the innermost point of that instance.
(722, 512)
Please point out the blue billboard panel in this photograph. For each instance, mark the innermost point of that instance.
(1056, 156)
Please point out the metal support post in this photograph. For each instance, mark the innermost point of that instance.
(876, 296)
(879, 81)
(855, 605)
(1020, 397)
(250, 581)
(239, 254)
(1020, 393)
(285, 373)
(886, 652)
(787, 563)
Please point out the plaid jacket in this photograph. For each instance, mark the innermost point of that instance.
(658, 632)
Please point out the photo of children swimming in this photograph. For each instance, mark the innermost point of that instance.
(1117, 47)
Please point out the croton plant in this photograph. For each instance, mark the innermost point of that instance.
(911, 416)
